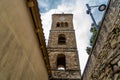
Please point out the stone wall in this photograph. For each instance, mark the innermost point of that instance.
(70, 37)
(71, 71)
(62, 18)
(103, 62)
(20, 54)
(68, 49)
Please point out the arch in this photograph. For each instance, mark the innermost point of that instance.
(61, 62)
(66, 24)
(61, 39)
(58, 24)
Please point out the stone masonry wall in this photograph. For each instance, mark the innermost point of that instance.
(68, 49)
(72, 67)
(70, 37)
(104, 61)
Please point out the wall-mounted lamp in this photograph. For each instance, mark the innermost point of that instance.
(101, 7)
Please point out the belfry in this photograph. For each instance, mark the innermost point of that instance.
(62, 49)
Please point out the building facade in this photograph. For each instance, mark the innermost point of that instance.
(23, 54)
(62, 49)
(104, 60)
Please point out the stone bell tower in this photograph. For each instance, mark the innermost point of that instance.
(62, 49)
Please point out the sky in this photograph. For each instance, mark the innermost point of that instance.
(82, 21)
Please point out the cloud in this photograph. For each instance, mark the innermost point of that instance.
(68, 2)
(46, 5)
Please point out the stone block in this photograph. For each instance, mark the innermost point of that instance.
(115, 60)
(116, 68)
(113, 43)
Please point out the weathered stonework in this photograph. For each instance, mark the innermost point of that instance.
(105, 55)
(68, 49)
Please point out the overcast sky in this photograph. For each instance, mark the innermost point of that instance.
(82, 21)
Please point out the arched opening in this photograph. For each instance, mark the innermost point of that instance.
(61, 39)
(58, 24)
(61, 62)
(66, 24)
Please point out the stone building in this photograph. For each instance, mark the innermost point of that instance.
(62, 49)
(104, 60)
(23, 54)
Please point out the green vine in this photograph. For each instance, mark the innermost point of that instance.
(92, 39)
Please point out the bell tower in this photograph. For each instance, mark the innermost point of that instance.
(62, 49)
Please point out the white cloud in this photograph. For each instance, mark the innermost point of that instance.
(81, 23)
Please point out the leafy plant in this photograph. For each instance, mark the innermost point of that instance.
(92, 39)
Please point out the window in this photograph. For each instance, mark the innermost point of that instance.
(61, 39)
(66, 24)
(62, 24)
(61, 62)
(58, 24)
